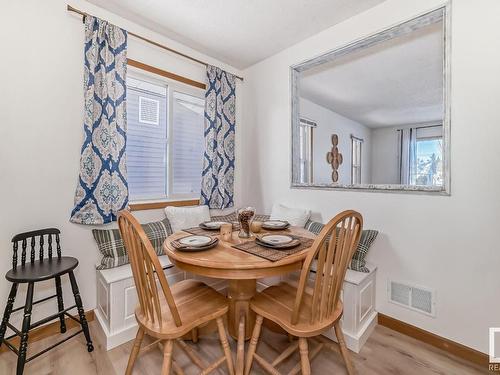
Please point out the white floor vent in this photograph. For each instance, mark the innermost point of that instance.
(412, 297)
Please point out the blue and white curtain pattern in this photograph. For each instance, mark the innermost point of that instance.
(102, 188)
(217, 183)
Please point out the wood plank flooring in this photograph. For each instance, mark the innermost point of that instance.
(386, 352)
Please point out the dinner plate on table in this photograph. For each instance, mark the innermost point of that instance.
(277, 241)
(194, 243)
(275, 224)
(212, 225)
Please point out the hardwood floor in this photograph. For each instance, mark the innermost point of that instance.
(386, 352)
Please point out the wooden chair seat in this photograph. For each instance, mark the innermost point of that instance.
(276, 303)
(42, 270)
(197, 304)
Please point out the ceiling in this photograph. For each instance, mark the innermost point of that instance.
(237, 32)
(397, 82)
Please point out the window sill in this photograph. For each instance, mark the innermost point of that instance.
(140, 206)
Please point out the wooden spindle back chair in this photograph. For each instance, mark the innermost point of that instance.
(40, 260)
(175, 311)
(146, 269)
(332, 252)
(307, 310)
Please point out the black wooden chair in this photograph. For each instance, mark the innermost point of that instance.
(43, 267)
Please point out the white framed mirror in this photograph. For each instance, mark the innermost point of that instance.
(375, 115)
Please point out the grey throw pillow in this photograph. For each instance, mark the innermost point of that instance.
(358, 262)
(111, 245)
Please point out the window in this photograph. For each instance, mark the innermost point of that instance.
(306, 150)
(165, 139)
(356, 144)
(421, 155)
(429, 161)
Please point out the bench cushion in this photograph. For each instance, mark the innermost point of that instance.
(111, 245)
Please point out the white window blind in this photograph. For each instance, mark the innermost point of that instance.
(187, 144)
(146, 143)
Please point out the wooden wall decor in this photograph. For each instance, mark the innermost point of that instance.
(334, 158)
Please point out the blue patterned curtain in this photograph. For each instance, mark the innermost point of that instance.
(102, 185)
(217, 183)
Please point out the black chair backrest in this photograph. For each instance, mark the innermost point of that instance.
(30, 239)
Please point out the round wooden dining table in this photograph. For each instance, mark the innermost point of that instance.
(240, 268)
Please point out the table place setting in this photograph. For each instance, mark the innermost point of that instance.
(275, 247)
(270, 239)
(195, 243)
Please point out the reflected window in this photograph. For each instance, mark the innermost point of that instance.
(306, 129)
(421, 155)
(429, 162)
(356, 160)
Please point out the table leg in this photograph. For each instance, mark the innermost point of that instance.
(239, 294)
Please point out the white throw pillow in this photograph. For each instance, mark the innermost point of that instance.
(186, 217)
(295, 216)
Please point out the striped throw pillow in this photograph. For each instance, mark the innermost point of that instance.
(233, 216)
(358, 262)
(111, 245)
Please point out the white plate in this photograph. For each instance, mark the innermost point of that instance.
(214, 224)
(275, 224)
(276, 239)
(195, 240)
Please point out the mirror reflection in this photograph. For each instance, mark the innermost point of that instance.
(374, 115)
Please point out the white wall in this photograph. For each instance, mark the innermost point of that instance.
(385, 156)
(329, 123)
(449, 243)
(41, 128)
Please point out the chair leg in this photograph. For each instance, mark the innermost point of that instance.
(225, 345)
(60, 303)
(167, 357)
(253, 343)
(343, 349)
(194, 335)
(8, 311)
(304, 356)
(23, 347)
(81, 312)
(135, 351)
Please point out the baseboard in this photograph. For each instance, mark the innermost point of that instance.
(462, 351)
(47, 330)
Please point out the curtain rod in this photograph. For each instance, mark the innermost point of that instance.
(74, 10)
(423, 127)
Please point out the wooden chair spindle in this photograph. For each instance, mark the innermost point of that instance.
(40, 254)
(32, 250)
(50, 246)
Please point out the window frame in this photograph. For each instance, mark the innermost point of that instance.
(172, 86)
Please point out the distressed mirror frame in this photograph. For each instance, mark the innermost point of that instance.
(439, 14)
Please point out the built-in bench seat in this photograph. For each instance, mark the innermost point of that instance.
(117, 299)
